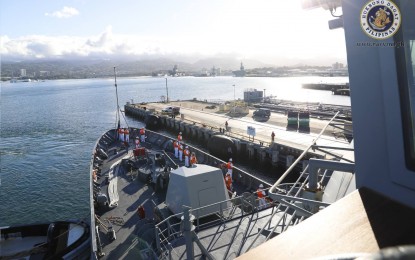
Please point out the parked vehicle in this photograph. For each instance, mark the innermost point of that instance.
(262, 112)
(171, 110)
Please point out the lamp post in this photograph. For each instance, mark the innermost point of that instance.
(167, 91)
(234, 99)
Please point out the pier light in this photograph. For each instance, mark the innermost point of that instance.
(234, 99)
(167, 91)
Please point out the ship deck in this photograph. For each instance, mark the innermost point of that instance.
(135, 237)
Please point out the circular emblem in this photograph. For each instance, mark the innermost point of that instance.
(380, 19)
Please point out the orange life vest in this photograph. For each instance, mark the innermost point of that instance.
(126, 131)
(186, 152)
(193, 160)
(228, 181)
(175, 145)
(260, 193)
(229, 165)
(180, 147)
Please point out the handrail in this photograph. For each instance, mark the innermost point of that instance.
(278, 182)
(213, 157)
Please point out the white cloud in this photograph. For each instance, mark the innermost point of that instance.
(66, 12)
(111, 45)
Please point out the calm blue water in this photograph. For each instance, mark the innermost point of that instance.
(48, 130)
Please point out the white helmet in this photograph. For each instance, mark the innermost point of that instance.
(261, 186)
(230, 159)
(187, 147)
(180, 133)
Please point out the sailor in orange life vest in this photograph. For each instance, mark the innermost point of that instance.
(228, 181)
(179, 137)
(187, 157)
(180, 151)
(176, 149)
(121, 133)
(261, 197)
(142, 135)
(229, 166)
(127, 135)
(193, 159)
(137, 143)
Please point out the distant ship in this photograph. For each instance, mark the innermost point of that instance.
(241, 72)
(16, 80)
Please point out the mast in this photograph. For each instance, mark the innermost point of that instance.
(116, 93)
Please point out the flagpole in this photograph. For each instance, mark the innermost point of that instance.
(116, 93)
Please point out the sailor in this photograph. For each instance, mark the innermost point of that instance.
(261, 197)
(176, 149)
(119, 134)
(180, 151)
(272, 136)
(229, 166)
(120, 131)
(127, 135)
(122, 135)
(179, 137)
(137, 143)
(143, 135)
(186, 156)
(193, 159)
(228, 181)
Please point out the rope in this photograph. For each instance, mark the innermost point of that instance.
(125, 119)
(119, 221)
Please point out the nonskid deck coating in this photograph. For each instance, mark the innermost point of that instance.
(133, 193)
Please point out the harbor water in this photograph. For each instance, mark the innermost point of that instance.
(48, 130)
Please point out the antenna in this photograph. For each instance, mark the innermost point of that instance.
(116, 93)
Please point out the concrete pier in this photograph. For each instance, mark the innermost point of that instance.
(198, 124)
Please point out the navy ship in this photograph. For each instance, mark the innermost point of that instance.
(147, 204)
(241, 72)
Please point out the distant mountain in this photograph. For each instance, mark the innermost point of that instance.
(145, 65)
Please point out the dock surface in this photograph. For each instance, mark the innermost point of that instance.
(202, 113)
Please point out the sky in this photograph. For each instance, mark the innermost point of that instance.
(266, 30)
